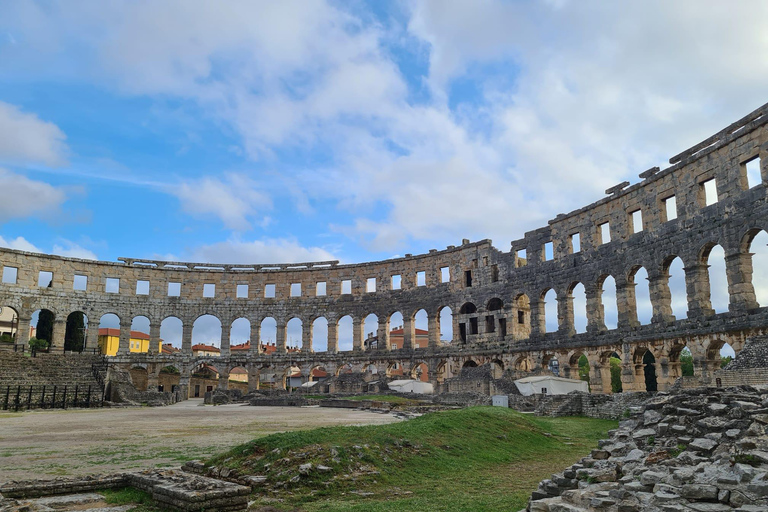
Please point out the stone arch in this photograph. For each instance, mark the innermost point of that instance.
(606, 286)
(75, 333)
(9, 325)
(139, 339)
(206, 331)
(753, 263)
(109, 334)
(551, 363)
(268, 334)
(577, 306)
(320, 334)
(469, 363)
(645, 369)
(370, 331)
(318, 373)
(294, 331)
(494, 304)
(395, 330)
(420, 371)
(345, 328)
(344, 368)
(240, 334)
(139, 377)
(673, 271)
(497, 368)
(420, 323)
(442, 371)
(523, 364)
(712, 255)
(445, 325)
(639, 297)
(548, 314)
(168, 378)
(171, 332)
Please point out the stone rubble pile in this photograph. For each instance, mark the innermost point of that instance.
(703, 450)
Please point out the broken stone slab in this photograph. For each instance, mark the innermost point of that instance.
(702, 445)
(699, 492)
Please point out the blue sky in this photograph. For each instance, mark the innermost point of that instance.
(303, 130)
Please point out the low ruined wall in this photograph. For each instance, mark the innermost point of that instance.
(584, 404)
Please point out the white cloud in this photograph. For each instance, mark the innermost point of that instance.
(23, 197)
(277, 250)
(24, 137)
(19, 243)
(234, 199)
(72, 250)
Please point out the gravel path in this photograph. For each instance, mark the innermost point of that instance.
(78, 442)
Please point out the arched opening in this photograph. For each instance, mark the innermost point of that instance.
(293, 333)
(497, 369)
(396, 331)
(642, 295)
(549, 299)
(495, 321)
(676, 282)
(394, 370)
(578, 295)
(370, 368)
(292, 378)
(469, 364)
(109, 334)
(371, 331)
(523, 364)
(204, 379)
(445, 324)
(718, 282)
(420, 330)
(758, 246)
(579, 366)
(75, 334)
(320, 334)
(41, 325)
(613, 361)
(268, 334)
(9, 326)
(238, 379)
(139, 377)
(727, 354)
(467, 321)
(240, 336)
(171, 329)
(345, 333)
(139, 338)
(318, 374)
(442, 372)
(650, 371)
(552, 363)
(521, 329)
(495, 304)
(420, 372)
(168, 378)
(345, 368)
(608, 301)
(206, 335)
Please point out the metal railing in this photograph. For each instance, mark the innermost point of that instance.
(19, 398)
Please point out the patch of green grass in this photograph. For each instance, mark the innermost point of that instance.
(481, 458)
(130, 496)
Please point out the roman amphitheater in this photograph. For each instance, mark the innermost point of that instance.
(496, 296)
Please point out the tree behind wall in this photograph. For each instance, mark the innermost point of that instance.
(74, 339)
(44, 329)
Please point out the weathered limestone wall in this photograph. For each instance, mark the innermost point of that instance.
(496, 298)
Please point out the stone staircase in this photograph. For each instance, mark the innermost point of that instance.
(20, 369)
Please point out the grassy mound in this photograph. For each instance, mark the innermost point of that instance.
(481, 458)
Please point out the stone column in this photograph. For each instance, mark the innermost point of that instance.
(738, 269)
(595, 310)
(357, 334)
(255, 339)
(154, 338)
(223, 379)
(306, 337)
(538, 317)
(565, 315)
(57, 338)
(184, 378)
(408, 332)
(604, 370)
(456, 328)
(152, 380)
(333, 336)
(92, 337)
(186, 338)
(226, 333)
(565, 371)
(434, 331)
(628, 376)
(697, 290)
(383, 336)
(124, 346)
(626, 304)
(280, 338)
(253, 377)
(661, 299)
(22, 331)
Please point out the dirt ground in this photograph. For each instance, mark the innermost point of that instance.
(41, 444)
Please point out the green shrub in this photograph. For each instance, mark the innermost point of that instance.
(36, 344)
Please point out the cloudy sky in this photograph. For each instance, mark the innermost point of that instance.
(247, 131)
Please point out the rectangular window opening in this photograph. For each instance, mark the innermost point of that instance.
(522, 258)
(473, 325)
(397, 282)
(370, 285)
(295, 289)
(521, 317)
(320, 289)
(10, 275)
(112, 285)
(142, 287)
(421, 278)
(494, 273)
(79, 283)
(754, 176)
(174, 289)
(670, 208)
(710, 191)
(490, 324)
(242, 291)
(467, 278)
(269, 291)
(45, 279)
(209, 290)
(637, 221)
(445, 274)
(346, 286)
(575, 243)
(605, 232)
(549, 251)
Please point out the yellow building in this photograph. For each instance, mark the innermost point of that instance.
(109, 341)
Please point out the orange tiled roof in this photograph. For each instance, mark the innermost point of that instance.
(135, 335)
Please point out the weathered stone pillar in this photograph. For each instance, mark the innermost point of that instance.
(565, 371)
(253, 377)
(306, 337)
(383, 336)
(604, 370)
(152, 380)
(92, 337)
(738, 270)
(57, 337)
(698, 291)
(357, 334)
(333, 337)
(255, 339)
(154, 339)
(22, 331)
(280, 338)
(626, 304)
(663, 379)
(223, 379)
(565, 315)
(538, 317)
(433, 326)
(225, 347)
(661, 299)
(628, 377)
(186, 338)
(184, 378)
(124, 345)
(408, 333)
(595, 310)
(456, 329)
